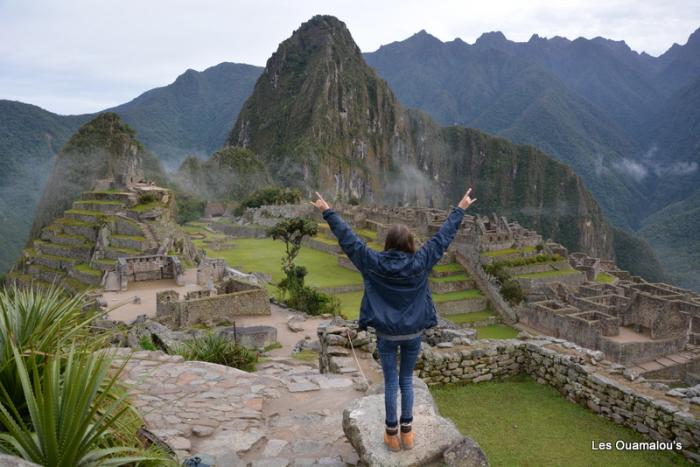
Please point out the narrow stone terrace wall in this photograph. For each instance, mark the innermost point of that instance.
(657, 418)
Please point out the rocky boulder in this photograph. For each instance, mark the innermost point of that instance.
(11, 461)
(437, 439)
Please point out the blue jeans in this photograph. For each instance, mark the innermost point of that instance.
(404, 379)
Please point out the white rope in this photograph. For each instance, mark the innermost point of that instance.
(352, 348)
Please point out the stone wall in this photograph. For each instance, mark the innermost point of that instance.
(572, 281)
(538, 267)
(468, 258)
(240, 231)
(653, 416)
(461, 306)
(210, 310)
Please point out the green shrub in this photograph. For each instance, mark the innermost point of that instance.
(312, 301)
(218, 349)
(146, 198)
(539, 247)
(497, 270)
(147, 344)
(512, 292)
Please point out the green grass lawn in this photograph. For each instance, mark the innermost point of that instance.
(508, 251)
(350, 304)
(496, 331)
(326, 240)
(452, 278)
(469, 317)
(367, 233)
(522, 423)
(375, 246)
(459, 295)
(265, 255)
(538, 275)
(604, 278)
(450, 267)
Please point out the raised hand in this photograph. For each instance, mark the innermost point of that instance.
(320, 203)
(466, 201)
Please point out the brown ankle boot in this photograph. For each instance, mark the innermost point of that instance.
(391, 439)
(406, 436)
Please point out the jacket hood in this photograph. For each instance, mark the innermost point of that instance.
(394, 264)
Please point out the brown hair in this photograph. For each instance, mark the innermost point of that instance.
(400, 238)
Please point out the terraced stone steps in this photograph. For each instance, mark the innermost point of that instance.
(125, 198)
(85, 215)
(105, 207)
(474, 319)
(82, 253)
(86, 274)
(451, 283)
(128, 241)
(76, 227)
(114, 253)
(55, 262)
(463, 301)
(454, 291)
(71, 240)
(104, 264)
(149, 234)
(46, 274)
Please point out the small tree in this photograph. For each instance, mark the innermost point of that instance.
(301, 297)
(512, 292)
(292, 233)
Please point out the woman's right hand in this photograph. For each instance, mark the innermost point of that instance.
(467, 200)
(320, 203)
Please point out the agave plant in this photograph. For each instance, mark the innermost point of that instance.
(42, 322)
(73, 412)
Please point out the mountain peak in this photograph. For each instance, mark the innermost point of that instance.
(317, 105)
(492, 38)
(321, 31)
(694, 38)
(103, 148)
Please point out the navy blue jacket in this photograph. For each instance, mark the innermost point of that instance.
(397, 300)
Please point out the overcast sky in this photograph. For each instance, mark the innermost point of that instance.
(76, 56)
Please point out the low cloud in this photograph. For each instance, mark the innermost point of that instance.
(648, 164)
(676, 169)
(632, 169)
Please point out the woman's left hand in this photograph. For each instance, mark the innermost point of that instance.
(320, 203)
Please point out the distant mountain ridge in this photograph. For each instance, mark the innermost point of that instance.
(626, 122)
(556, 111)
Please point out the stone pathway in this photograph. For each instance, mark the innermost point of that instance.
(286, 414)
(691, 354)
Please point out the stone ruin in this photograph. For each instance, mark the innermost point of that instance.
(632, 321)
(221, 305)
(97, 243)
(144, 268)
